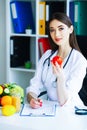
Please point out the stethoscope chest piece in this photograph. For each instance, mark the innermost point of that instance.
(80, 111)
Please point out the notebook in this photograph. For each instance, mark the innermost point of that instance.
(45, 110)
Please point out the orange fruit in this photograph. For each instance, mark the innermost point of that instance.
(16, 102)
(8, 110)
(6, 100)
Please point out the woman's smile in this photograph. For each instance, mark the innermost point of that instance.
(58, 39)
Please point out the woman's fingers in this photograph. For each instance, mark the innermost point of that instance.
(36, 103)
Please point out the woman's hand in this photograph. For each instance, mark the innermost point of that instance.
(33, 100)
(35, 103)
(57, 70)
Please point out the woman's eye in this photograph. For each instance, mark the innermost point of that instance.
(52, 30)
(61, 29)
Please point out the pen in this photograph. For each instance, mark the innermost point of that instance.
(40, 101)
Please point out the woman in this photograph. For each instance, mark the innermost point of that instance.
(62, 83)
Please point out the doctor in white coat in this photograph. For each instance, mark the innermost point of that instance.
(61, 83)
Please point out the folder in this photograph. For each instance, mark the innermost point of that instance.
(53, 7)
(42, 17)
(22, 16)
(80, 19)
(71, 11)
(44, 45)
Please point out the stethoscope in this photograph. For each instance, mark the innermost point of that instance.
(80, 111)
(48, 59)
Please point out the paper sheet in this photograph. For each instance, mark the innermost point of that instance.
(45, 110)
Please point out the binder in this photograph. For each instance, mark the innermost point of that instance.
(44, 45)
(42, 17)
(71, 11)
(52, 7)
(19, 51)
(22, 16)
(80, 19)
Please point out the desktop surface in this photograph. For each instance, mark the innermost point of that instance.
(65, 118)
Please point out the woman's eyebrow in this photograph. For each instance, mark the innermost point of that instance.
(58, 26)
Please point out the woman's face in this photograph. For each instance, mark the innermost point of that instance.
(60, 32)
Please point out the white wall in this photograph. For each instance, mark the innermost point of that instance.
(2, 43)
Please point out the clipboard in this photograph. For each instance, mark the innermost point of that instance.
(45, 110)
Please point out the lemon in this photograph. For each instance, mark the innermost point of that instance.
(1, 90)
(8, 110)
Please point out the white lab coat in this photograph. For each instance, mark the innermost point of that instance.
(74, 71)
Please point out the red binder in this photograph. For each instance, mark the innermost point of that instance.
(44, 45)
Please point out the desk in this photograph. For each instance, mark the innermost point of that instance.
(65, 119)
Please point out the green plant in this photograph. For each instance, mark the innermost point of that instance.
(28, 27)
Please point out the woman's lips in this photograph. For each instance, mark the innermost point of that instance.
(58, 39)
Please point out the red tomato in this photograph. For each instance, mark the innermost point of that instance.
(57, 59)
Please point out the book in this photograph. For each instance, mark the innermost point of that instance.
(46, 110)
(22, 16)
(44, 45)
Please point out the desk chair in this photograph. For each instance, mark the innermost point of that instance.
(83, 91)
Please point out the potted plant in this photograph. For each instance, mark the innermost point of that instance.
(28, 30)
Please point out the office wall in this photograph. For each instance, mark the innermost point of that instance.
(2, 43)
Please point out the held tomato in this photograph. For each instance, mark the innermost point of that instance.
(57, 59)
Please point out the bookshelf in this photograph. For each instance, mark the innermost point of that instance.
(20, 74)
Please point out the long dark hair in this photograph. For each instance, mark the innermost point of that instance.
(62, 17)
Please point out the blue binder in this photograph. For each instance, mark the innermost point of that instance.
(22, 16)
(71, 11)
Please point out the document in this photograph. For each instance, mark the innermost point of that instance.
(45, 110)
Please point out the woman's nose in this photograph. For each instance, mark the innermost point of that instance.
(56, 32)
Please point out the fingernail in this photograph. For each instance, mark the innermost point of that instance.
(40, 104)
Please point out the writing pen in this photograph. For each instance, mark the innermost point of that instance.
(39, 100)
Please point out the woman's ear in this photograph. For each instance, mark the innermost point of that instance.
(71, 29)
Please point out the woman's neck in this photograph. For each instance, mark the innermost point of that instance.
(63, 52)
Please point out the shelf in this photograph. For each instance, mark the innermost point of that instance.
(23, 69)
(21, 75)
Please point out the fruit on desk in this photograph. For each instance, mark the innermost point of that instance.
(1, 90)
(0, 101)
(17, 90)
(6, 91)
(8, 110)
(16, 102)
(57, 59)
(6, 100)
